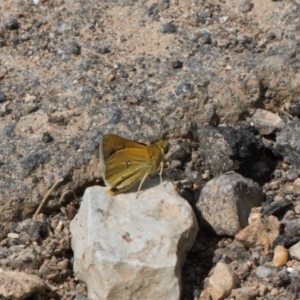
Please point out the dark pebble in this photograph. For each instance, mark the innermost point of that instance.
(60, 120)
(37, 24)
(16, 41)
(204, 14)
(103, 49)
(294, 286)
(34, 230)
(277, 206)
(46, 138)
(74, 48)
(294, 107)
(283, 240)
(116, 118)
(5, 252)
(168, 28)
(123, 74)
(242, 39)
(85, 64)
(2, 97)
(11, 24)
(33, 160)
(123, 39)
(9, 130)
(152, 10)
(292, 228)
(269, 199)
(281, 278)
(176, 64)
(206, 39)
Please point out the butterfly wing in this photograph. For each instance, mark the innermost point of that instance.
(126, 167)
(112, 143)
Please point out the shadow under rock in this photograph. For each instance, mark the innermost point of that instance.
(199, 262)
(262, 168)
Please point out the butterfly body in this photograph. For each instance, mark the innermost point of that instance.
(125, 162)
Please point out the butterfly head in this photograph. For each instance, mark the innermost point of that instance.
(163, 146)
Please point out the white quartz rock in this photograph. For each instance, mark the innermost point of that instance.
(127, 248)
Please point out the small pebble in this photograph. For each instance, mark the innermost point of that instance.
(278, 198)
(245, 6)
(29, 98)
(175, 164)
(46, 138)
(297, 209)
(111, 77)
(3, 72)
(11, 24)
(206, 39)
(281, 256)
(264, 271)
(54, 223)
(263, 290)
(296, 187)
(294, 251)
(168, 28)
(277, 173)
(176, 64)
(274, 185)
(4, 107)
(2, 97)
(59, 227)
(254, 217)
(291, 175)
(274, 292)
(123, 39)
(74, 48)
(103, 49)
(13, 235)
(30, 107)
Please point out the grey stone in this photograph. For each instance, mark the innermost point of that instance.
(288, 142)
(168, 28)
(225, 202)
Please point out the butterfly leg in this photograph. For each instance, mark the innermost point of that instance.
(145, 176)
(160, 173)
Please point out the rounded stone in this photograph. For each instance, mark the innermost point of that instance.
(280, 257)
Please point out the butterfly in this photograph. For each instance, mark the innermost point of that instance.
(125, 162)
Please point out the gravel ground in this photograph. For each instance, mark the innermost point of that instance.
(71, 71)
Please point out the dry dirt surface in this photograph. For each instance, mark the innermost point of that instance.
(73, 70)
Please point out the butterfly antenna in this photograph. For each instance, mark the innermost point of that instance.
(162, 124)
